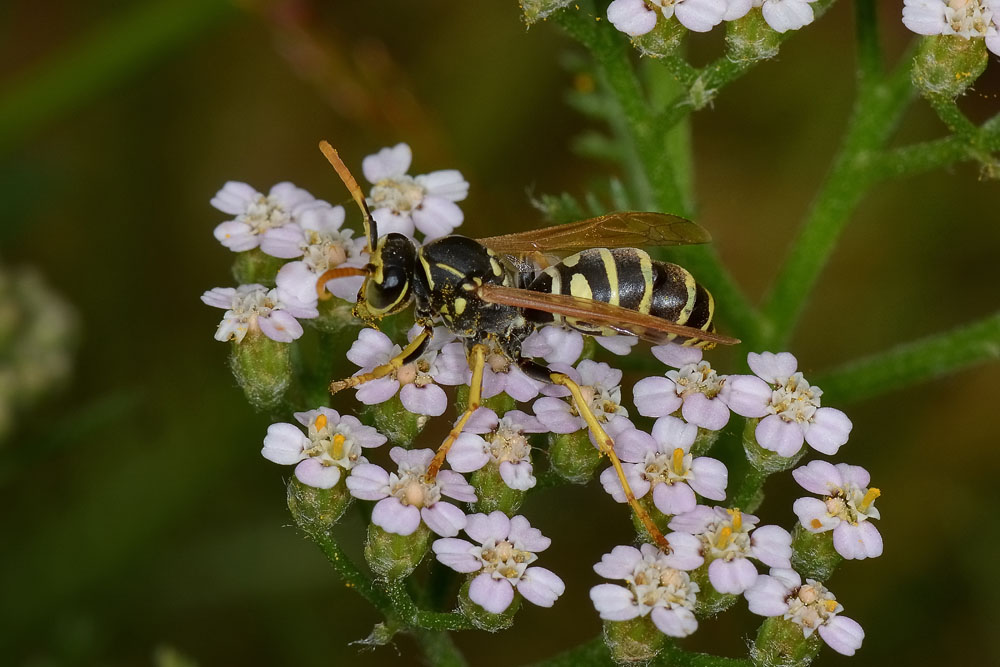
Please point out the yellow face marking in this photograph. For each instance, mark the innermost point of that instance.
(427, 268)
(460, 305)
(646, 266)
(611, 271)
(572, 260)
(579, 287)
(377, 276)
(692, 288)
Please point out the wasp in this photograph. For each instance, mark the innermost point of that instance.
(590, 275)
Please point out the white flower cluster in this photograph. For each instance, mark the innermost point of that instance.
(289, 223)
(971, 19)
(637, 17)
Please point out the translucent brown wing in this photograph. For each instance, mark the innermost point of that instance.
(622, 320)
(628, 229)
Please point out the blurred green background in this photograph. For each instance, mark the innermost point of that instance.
(137, 511)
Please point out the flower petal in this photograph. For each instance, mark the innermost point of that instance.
(313, 473)
(390, 162)
(828, 430)
(394, 517)
(655, 397)
(443, 518)
(540, 586)
(844, 635)
(456, 554)
(618, 564)
(614, 603)
(676, 622)
(284, 444)
(427, 400)
(493, 595)
(775, 434)
(733, 576)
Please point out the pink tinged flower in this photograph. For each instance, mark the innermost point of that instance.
(414, 381)
(330, 444)
(600, 385)
(662, 462)
(846, 508)
(789, 405)
(503, 441)
(694, 387)
(555, 344)
(506, 548)
(811, 606)
(407, 497)
(785, 15)
(249, 308)
(653, 586)
(728, 540)
(632, 17)
(256, 213)
(621, 345)
(401, 202)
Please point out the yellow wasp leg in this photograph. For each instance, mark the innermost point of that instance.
(409, 353)
(477, 361)
(607, 447)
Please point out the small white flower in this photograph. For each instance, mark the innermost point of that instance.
(318, 239)
(601, 388)
(331, 443)
(637, 17)
(781, 15)
(401, 202)
(846, 508)
(273, 312)
(506, 549)
(694, 388)
(256, 213)
(789, 406)
(727, 545)
(811, 606)
(653, 586)
(500, 440)
(406, 497)
(970, 19)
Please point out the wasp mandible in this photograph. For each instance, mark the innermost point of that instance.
(494, 292)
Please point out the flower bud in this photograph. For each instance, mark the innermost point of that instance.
(710, 601)
(662, 40)
(660, 520)
(493, 493)
(396, 556)
(947, 65)
(635, 640)
(765, 460)
(537, 10)
(751, 39)
(263, 368)
(703, 441)
(395, 422)
(781, 642)
(813, 554)
(317, 510)
(500, 404)
(335, 315)
(255, 266)
(481, 618)
(572, 456)
(381, 635)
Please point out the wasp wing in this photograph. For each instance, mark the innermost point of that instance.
(628, 229)
(623, 320)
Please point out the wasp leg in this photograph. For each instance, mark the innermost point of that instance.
(607, 447)
(477, 361)
(409, 353)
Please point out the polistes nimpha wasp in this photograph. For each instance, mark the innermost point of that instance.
(494, 292)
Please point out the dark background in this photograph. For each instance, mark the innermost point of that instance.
(137, 511)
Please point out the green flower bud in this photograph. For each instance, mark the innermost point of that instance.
(703, 441)
(499, 404)
(317, 510)
(813, 553)
(263, 368)
(765, 460)
(538, 10)
(572, 456)
(662, 40)
(751, 39)
(659, 519)
(493, 492)
(481, 618)
(781, 642)
(335, 315)
(710, 601)
(396, 556)
(947, 65)
(381, 634)
(396, 422)
(254, 266)
(632, 641)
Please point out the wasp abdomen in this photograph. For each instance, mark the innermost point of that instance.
(630, 278)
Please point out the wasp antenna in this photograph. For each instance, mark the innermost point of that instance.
(371, 230)
(331, 274)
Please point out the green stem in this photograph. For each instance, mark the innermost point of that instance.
(876, 114)
(870, 64)
(352, 576)
(111, 53)
(404, 606)
(914, 362)
(439, 649)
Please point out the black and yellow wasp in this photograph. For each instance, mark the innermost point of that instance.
(589, 275)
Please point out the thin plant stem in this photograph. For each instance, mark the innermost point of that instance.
(918, 361)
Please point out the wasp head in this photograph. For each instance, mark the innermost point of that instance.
(387, 289)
